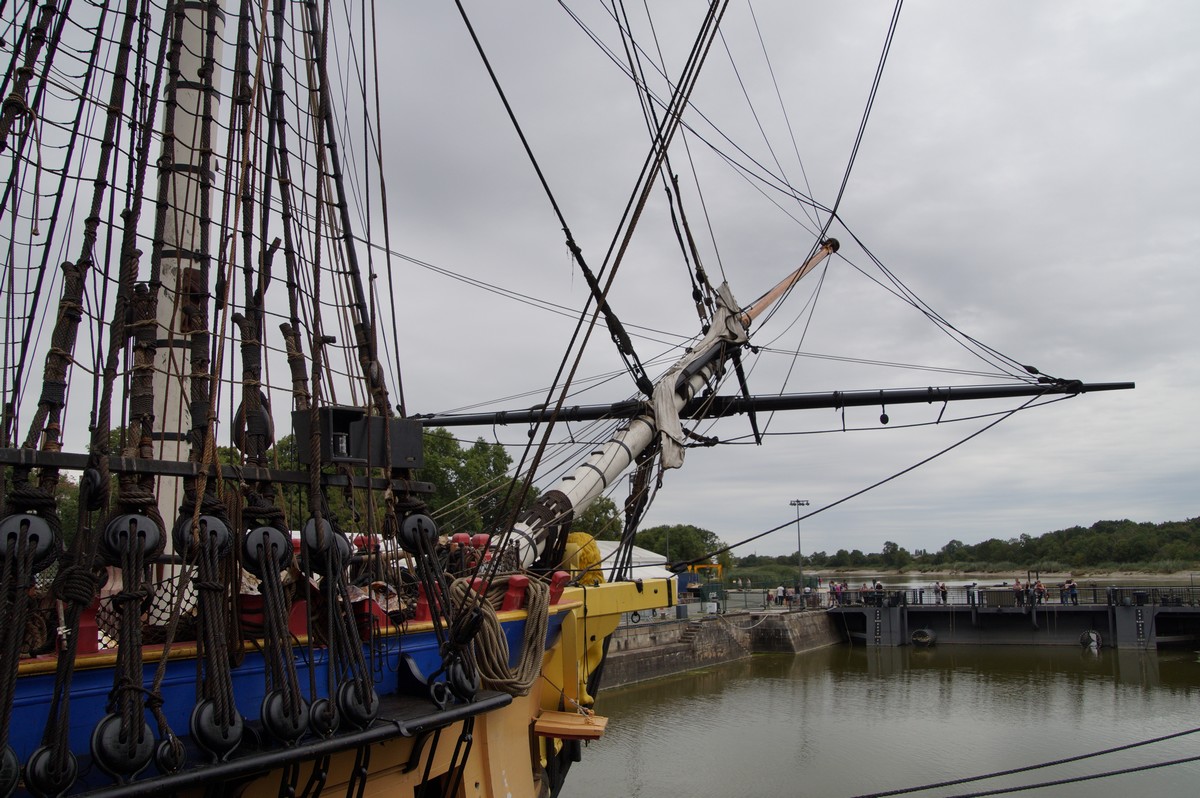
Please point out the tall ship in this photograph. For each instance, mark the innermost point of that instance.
(227, 564)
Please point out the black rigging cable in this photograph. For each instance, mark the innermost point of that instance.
(754, 112)
(663, 136)
(786, 117)
(1053, 763)
(902, 291)
(762, 174)
(702, 291)
(709, 555)
(862, 125)
(576, 252)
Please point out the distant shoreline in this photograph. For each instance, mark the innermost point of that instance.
(993, 576)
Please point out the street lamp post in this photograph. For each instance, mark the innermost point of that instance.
(798, 503)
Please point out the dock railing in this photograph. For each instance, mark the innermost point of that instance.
(1091, 594)
(993, 596)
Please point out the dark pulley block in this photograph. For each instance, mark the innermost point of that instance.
(321, 544)
(463, 680)
(210, 529)
(218, 739)
(91, 483)
(264, 548)
(10, 771)
(414, 528)
(170, 755)
(358, 712)
(467, 626)
(119, 758)
(38, 534)
(322, 718)
(42, 779)
(260, 423)
(129, 530)
(278, 722)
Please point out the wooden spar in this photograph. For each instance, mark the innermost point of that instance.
(660, 424)
(719, 406)
(827, 248)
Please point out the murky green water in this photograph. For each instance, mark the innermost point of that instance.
(851, 721)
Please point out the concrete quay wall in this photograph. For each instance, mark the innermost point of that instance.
(795, 632)
(648, 650)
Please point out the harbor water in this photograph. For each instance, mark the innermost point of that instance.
(850, 721)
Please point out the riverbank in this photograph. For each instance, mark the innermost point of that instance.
(910, 574)
(912, 578)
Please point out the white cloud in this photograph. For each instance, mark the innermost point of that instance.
(1028, 169)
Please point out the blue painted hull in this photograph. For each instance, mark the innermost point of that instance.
(91, 686)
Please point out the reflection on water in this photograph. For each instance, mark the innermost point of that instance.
(848, 721)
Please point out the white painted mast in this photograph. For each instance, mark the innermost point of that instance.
(672, 391)
(188, 177)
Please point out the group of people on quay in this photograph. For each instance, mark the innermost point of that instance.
(789, 597)
(835, 593)
(832, 594)
(1036, 593)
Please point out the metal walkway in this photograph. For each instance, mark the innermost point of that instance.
(1125, 617)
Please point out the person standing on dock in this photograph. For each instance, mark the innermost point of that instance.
(944, 593)
(1073, 591)
(1019, 592)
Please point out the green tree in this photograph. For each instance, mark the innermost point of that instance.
(601, 519)
(952, 551)
(725, 560)
(285, 456)
(66, 497)
(680, 542)
(893, 556)
(469, 484)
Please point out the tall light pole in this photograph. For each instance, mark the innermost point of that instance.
(798, 503)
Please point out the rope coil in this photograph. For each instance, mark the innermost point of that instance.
(491, 646)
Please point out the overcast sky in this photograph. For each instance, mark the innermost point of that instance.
(1029, 170)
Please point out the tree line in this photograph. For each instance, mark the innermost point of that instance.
(471, 486)
(1105, 545)
(477, 470)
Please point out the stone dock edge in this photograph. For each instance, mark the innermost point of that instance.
(650, 649)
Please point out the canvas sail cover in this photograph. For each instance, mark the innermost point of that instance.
(727, 329)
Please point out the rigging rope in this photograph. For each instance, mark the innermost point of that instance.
(52, 768)
(617, 247)
(717, 552)
(703, 299)
(491, 645)
(1052, 763)
(862, 125)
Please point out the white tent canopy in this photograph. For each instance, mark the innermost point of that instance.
(646, 564)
